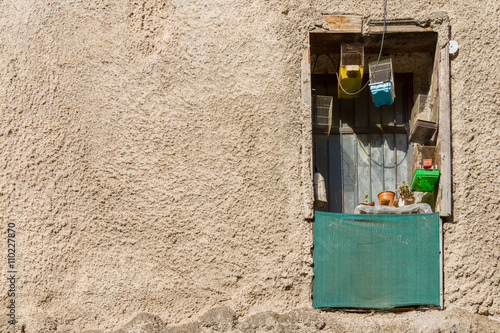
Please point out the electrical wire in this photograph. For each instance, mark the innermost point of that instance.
(316, 61)
(378, 60)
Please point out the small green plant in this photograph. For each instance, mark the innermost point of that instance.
(366, 197)
(404, 190)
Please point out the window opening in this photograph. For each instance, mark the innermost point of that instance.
(363, 153)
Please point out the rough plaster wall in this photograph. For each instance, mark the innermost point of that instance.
(153, 158)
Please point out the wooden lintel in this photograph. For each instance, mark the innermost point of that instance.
(325, 41)
(344, 23)
(396, 26)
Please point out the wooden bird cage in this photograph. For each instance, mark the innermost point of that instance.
(382, 82)
(352, 62)
(322, 114)
(424, 119)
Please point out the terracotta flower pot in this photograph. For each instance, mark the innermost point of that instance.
(386, 198)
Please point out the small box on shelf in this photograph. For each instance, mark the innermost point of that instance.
(424, 118)
(426, 157)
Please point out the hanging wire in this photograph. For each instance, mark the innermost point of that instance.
(316, 61)
(378, 60)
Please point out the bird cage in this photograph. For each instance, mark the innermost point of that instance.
(426, 170)
(426, 157)
(382, 82)
(423, 125)
(322, 114)
(352, 63)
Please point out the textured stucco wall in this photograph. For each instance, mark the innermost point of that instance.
(153, 158)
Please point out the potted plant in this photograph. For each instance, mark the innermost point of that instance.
(386, 198)
(366, 202)
(405, 194)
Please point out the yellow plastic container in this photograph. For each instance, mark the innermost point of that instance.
(350, 77)
(352, 62)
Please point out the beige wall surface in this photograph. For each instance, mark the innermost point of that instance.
(154, 155)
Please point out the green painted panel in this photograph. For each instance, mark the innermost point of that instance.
(376, 261)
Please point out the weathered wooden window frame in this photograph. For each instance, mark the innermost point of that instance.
(351, 29)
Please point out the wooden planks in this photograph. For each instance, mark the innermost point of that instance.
(402, 165)
(444, 140)
(321, 162)
(349, 173)
(361, 108)
(305, 83)
(399, 107)
(305, 73)
(347, 111)
(344, 23)
(387, 112)
(377, 165)
(389, 163)
(360, 158)
(335, 170)
(363, 167)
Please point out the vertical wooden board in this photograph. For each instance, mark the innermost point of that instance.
(402, 158)
(389, 164)
(387, 114)
(363, 167)
(336, 111)
(334, 169)
(376, 163)
(305, 73)
(361, 109)
(349, 172)
(445, 133)
(347, 110)
(374, 111)
(307, 156)
(411, 150)
(399, 105)
(435, 72)
(321, 161)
